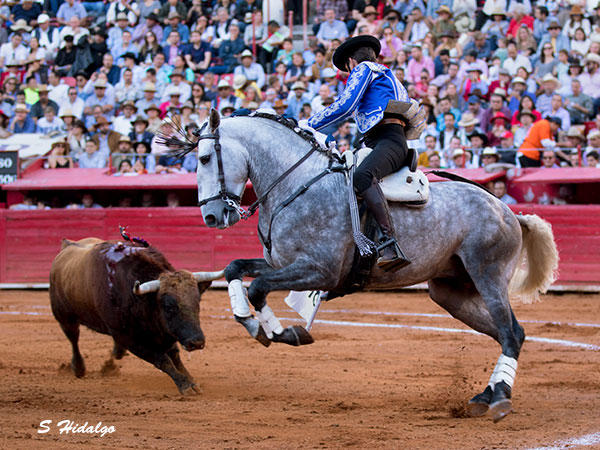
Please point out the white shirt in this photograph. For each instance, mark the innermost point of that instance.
(76, 107)
(9, 53)
(45, 40)
(123, 125)
(58, 94)
(513, 64)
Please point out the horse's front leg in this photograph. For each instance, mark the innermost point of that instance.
(234, 273)
(302, 275)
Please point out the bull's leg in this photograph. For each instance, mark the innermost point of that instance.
(71, 330)
(174, 355)
(163, 362)
(234, 273)
(118, 351)
(302, 275)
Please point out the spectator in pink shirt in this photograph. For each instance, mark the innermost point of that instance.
(417, 63)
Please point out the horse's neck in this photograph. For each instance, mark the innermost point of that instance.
(272, 150)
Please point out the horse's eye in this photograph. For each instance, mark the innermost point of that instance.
(204, 160)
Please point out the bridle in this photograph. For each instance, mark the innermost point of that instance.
(231, 200)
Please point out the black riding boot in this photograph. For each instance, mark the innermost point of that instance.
(391, 256)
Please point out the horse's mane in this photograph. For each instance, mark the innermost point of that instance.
(181, 146)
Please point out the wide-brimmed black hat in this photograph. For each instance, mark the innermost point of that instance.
(347, 48)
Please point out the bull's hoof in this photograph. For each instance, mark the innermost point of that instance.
(501, 409)
(480, 404)
(294, 335)
(78, 370)
(189, 390)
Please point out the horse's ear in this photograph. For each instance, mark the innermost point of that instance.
(214, 119)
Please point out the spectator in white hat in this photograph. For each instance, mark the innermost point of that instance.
(225, 96)
(47, 36)
(251, 70)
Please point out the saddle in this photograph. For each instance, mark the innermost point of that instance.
(408, 186)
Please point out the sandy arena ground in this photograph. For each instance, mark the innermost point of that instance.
(359, 387)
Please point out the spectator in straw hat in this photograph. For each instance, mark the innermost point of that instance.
(168, 7)
(149, 98)
(76, 138)
(67, 116)
(140, 132)
(99, 97)
(593, 139)
(59, 156)
(549, 85)
(555, 38)
(123, 122)
(489, 155)
(21, 122)
(251, 70)
(106, 139)
(175, 24)
(153, 115)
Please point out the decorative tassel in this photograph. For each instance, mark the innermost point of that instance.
(364, 244)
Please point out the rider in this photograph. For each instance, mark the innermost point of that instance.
(369, 88)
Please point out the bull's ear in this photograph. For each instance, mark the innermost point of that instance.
(66, 243)
(214, 119)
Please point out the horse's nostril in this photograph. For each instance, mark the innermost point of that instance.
(210, 220)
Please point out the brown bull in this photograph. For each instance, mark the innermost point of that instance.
(133, 294)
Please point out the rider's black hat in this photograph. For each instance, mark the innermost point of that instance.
(346, 49)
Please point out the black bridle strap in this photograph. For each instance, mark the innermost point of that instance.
(252, 209)
(223, 193)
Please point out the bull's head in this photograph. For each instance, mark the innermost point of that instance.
(178, 295)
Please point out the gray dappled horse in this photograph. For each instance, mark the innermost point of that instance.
(464, 242)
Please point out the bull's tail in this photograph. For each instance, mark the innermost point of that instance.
(538, 262)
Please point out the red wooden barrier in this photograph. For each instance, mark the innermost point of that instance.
(29, 240)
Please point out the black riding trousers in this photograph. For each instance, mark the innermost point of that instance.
(388, 156)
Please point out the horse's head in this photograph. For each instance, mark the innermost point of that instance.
(222, 174)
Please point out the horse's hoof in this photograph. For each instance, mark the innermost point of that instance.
(501, 409)
(294, 335)
(262, 337)
(477, 409)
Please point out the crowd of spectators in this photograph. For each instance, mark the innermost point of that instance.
(513, 81)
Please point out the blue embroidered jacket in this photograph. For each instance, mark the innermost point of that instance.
(369, 88)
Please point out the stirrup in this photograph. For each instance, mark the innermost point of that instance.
(395, 264)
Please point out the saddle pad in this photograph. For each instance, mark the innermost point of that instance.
(402, 186)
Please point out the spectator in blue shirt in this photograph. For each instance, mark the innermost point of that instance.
(28, 10)
(197, 53)
(69, 9)
(229, 51)
(175, 25)
(21, 122)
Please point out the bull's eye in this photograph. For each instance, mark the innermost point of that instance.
(204, 160)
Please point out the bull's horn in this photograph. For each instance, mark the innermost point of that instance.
(145, 288)
(208, 276)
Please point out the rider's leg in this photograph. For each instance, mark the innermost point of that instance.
(388, 156)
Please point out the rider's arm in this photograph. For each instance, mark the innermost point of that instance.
(344, 106)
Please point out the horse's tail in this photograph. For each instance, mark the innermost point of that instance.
(538, 262)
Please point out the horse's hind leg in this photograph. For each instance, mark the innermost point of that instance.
(461, 299)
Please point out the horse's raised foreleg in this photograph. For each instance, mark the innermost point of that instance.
(299, 276)
(234, 273)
